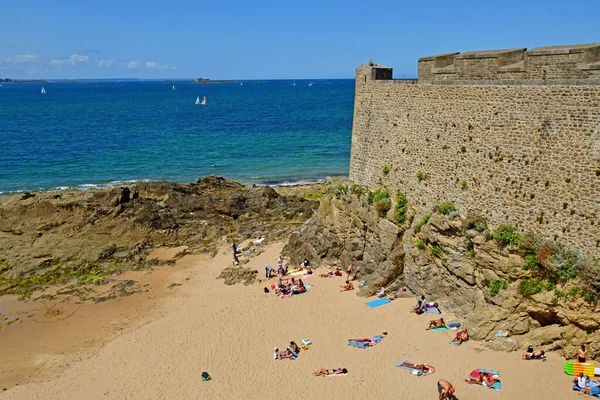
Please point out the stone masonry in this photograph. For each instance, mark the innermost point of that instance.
(522, 150)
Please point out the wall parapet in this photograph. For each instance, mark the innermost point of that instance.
(580, 61)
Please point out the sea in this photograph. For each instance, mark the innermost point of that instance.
(90, 134)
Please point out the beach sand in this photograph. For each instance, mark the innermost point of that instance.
(230, 332)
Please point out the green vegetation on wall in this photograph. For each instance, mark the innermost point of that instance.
(445, 208)
(401, 208)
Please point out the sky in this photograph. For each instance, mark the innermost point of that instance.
(262, 39)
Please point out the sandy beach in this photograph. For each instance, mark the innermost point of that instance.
(158, 346)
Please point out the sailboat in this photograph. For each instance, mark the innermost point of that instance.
(197, 100)
(294, 84)
(173, 87)
(203, 101)
(43, 90)
(241, 83)
(310, 84)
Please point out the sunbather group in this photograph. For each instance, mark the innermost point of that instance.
(290, 353)
(288, 287)
(330, 274)
(586, 386)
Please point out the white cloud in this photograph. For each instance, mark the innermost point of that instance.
(106, 63)
(23, 58)
(73, 60)
(155, 65)
(133, 64)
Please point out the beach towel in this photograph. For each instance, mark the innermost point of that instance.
(356, 343)
(433, 310)
(441, 328)
(456, 342)
(413, 370)
(376, 303)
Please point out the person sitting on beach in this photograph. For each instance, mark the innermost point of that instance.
(424, 368)
(300, 288)
(436, 323)
(348, 286)
(445, 390)
(419, 306)
(294, 347)
(309, 271)
(532, 354)
(305, 263)
(286, 354)
(483, 380)
(461, 337)
(334, 371)
(582, 354)
(581, 381)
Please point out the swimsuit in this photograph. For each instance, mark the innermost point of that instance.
(440, 390)
(580, 359)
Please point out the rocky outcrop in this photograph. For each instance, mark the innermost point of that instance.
(348, 230)
(463, 269)
(55, 236)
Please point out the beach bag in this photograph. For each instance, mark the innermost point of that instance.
(205, 376)
(266, 290)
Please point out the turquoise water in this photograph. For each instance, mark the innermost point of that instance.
(83, 135)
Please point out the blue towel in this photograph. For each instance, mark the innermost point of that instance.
(454, 325)
(456, 342)
(497, 386)
(376, 303)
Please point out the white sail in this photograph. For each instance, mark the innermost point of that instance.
(310, 84)
(173, 87)
(203, 101)
(198, 100)
(43, 90)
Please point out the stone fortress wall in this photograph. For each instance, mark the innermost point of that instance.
(511, 134)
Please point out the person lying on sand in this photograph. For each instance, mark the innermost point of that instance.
(589, 390)
(461, 337)
(329, 274)
(531, 354)
(334, 371)
(348, 286)
(484, 381)
(436, 323)
(424, 368)
(445, 390)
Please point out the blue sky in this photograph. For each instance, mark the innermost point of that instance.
(259, 39)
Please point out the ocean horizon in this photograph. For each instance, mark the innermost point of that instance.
(86, 134)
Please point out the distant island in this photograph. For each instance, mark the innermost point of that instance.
(8, 80)
(204, 80)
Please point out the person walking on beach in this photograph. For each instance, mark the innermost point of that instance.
(582, 354)
(445, 390)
